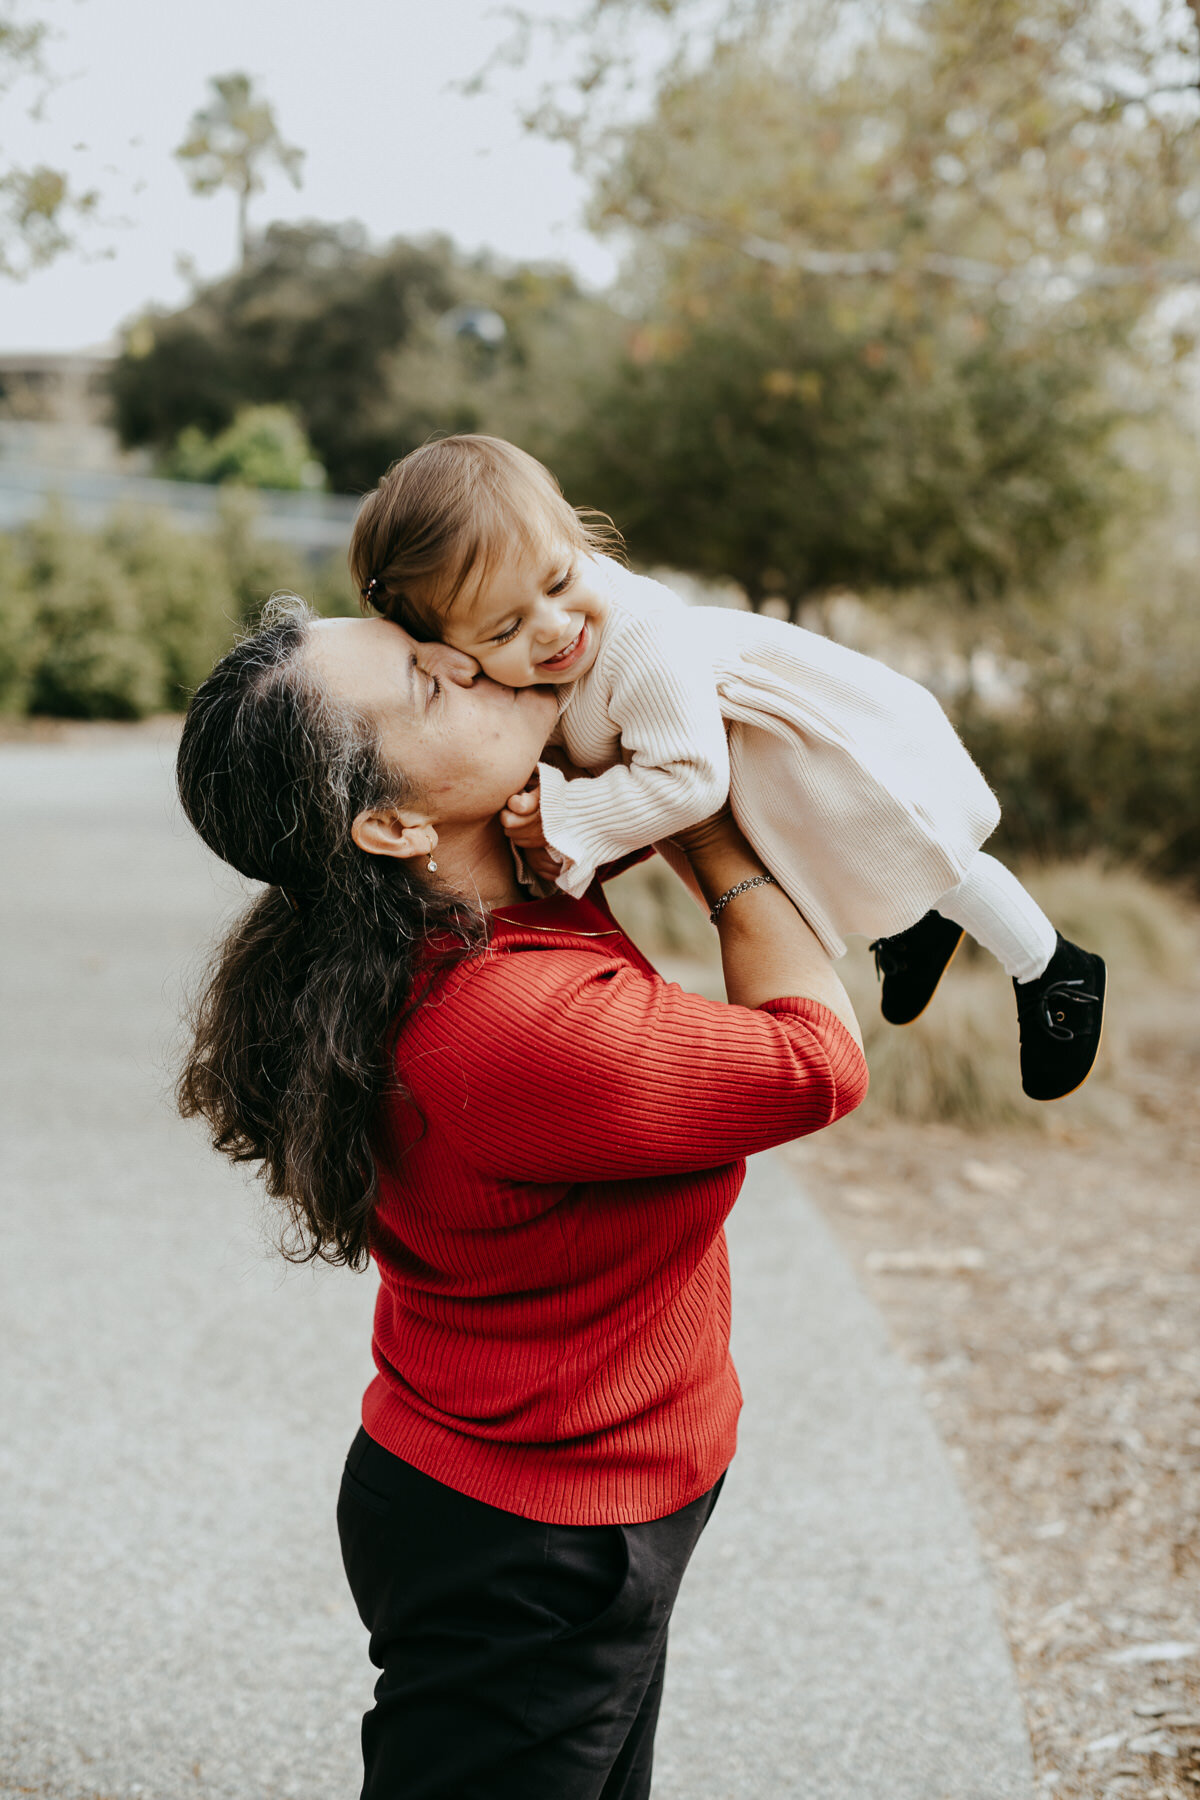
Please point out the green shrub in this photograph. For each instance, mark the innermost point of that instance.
(124, 622)
(252, 570)
(93, 658)
(16, 631)
(181, 586)
(264, 447)
(1102, 754)
(1116, 769)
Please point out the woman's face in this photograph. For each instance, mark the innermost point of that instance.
(464, 741)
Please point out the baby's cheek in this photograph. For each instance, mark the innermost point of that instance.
(492, 664)
(512, 670)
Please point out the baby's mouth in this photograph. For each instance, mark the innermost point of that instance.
(554, 665)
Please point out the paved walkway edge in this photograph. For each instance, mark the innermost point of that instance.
(836, 1636)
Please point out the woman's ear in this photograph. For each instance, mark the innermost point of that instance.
(384, 832)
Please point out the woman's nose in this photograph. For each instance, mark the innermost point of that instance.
(447, 663)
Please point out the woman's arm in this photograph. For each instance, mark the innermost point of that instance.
(767, 949)
(572, 1064)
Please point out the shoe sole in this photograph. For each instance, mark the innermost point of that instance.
(1049, 1099)
(901, 1023)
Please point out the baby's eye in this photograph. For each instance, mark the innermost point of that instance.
(564, 582)
(506, 636)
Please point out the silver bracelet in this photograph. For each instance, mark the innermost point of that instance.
(733, 892)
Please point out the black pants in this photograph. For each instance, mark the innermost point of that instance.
(520, 1661)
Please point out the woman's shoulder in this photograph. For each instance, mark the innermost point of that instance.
(536, 952)
(520, 1005)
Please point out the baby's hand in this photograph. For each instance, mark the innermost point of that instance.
(522, 821)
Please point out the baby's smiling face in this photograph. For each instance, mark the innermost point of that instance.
(535, 618)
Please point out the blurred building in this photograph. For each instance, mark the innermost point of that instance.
(56, 445)
(54, 410)
(62, 387)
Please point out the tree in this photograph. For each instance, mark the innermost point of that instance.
(898, 253)
(230, 143)
(776, 444)
(348, 337)
(38, 205)
(1032, 141)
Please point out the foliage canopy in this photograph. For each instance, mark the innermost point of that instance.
(38, 205)
(349, 338)
(770, 439)
(900, 270)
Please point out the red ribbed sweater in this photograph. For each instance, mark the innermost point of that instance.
(552, 1328)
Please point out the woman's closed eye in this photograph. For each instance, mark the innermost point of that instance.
(433, 686)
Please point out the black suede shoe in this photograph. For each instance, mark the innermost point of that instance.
(1061, 1016)
(912, 963)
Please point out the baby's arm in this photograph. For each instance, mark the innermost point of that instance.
(663, 700)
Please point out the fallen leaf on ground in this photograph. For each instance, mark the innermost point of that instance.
(1171, 1651)
(1155, 1743)
(992, 1178)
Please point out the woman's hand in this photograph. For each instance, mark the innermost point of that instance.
(718, 854)
(522, 822)
(767, 949)
(718, 832)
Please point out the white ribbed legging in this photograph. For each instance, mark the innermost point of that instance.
(991, 904)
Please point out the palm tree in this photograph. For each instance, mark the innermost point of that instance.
(229, 143)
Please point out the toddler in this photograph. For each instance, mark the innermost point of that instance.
(847, 779)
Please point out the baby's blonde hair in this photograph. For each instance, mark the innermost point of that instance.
(452, 510)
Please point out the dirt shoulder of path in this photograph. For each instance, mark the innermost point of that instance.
(1046, 1285)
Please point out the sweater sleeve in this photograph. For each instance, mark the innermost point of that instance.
(565, 1065)
(662, 697)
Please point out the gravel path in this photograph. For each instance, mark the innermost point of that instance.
(178, 1403)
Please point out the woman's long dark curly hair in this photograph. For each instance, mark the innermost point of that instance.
(288, 1059)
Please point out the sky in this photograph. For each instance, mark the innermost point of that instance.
(365, 87)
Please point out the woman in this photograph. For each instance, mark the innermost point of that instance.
(538, 1141)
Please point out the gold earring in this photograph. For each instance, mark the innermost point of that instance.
(431, 866)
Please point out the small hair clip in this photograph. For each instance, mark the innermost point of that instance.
(293, 900)
(369, 590)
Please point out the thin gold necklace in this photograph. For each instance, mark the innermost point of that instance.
(558, 930)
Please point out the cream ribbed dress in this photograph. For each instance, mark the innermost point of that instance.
(847, 778)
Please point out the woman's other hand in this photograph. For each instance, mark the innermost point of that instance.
(767, 948)
(712, 835)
